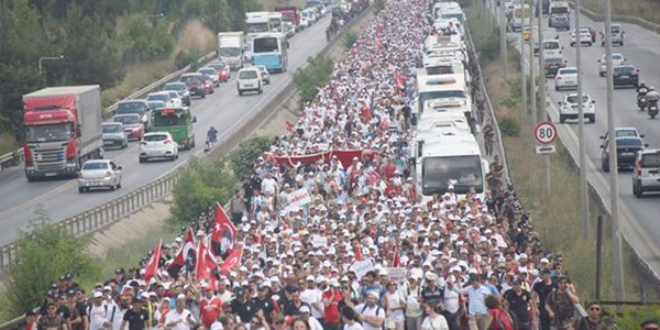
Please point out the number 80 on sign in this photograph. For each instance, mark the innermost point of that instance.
(545, 132)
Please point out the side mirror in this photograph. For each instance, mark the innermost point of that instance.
(646, 145)
(599, 61)
(602, 146)
(120, 168)
(194, 119)
(602, 137)
(593, 101)
(559, 103)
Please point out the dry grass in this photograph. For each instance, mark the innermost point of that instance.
(8, 143)
(195, 36)
(646, 9)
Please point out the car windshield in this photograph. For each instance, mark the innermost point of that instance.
(217, 67)
(208, 72)
(628, 143)
(551, 45)
(265, 45)
(651, 160)
(156, 104)
(130, 107)
(438, 70)
(624, 69)
(191, 80)
(626, 132)
(127, 120)
(95, 166)
(48, 133)
(463, 172)
(169, 118)
(155, 137)
(111, 128)
(249, 74)
(574, 99)
(553, 60)
(175, 87)
(568, 71)
(617, 57)
(616, 29)
(158, 97)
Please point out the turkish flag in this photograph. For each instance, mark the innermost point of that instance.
(152, 266)
(358, 252)
(233, 261)
(186, 257)
(397, 258)
(202, 270)
(223, 234)
(289, 126)
(400, 81)
(373, 178)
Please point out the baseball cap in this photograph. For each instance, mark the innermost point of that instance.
(97, 294)
(304, 309)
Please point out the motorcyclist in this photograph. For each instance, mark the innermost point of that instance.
(642, 90)
(653, 96)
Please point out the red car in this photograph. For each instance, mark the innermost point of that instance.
(224, 72)
(208, 85)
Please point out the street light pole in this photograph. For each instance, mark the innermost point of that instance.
(532, 89)
(503, 45)
(523, 74)
(542, 104)
(614, 180)
(584, 197)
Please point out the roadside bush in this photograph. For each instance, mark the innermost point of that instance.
(144, 42)
(201, 185)
(509, 126)
(45, 253)
(488, 48)
(349, 39)
(314, 76)
(184, 58)
(246, 155)
(379, 5)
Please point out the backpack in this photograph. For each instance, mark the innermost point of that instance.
(378, 308)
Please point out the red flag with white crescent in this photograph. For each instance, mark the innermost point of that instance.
(152, 266)
(232, 262)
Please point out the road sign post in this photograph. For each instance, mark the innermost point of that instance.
(545, 133)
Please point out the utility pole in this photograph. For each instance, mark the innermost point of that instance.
(584, 197)
(523, 74)
(614, 180)
(503, 54)
(542, 103)
(532, 89)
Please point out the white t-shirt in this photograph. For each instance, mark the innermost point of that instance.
(174, 316)
(314, 324)
(98, 316)
(310, 297)
(355, 326)
(377, 311)
(118, 317)
(439, 323)
(394, 301)
(451, 300)
(216, 326)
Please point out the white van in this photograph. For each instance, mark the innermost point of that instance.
(249, 80)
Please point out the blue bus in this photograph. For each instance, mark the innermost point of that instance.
(270, 50)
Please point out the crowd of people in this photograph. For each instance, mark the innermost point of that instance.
(358, 250)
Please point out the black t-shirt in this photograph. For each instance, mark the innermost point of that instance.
(245, 310)
(518, 304)
(136, 320)
(434, 295)
(266, 305)
(543, 290)
(291, 309)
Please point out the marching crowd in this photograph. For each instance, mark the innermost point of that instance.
(359, 251)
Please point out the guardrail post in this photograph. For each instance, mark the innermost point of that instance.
(97, 215)
(2, 257)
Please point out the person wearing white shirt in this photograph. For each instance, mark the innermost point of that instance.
(452, 304)
(314, 324)
(396, 305)
(98, 313)
(371, 315)
(413, 308)
(180, 318)
(434, 321)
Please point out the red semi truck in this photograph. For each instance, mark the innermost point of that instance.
(62, 130)
(289, 14)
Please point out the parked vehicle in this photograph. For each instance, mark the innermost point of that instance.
(158, 145)
(62, 130)
(99, 173)
(114, 135)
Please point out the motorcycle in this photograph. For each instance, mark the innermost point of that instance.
(642, 102)
(653, 109)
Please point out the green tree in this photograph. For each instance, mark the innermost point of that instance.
(200, 186)
(142, 42)
(45, 252)
(314, 76)
(214, 15)
(243, 158)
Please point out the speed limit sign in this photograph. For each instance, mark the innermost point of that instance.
(545, 132)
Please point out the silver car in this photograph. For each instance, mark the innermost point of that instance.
(265, 77)
(99, 173)
(113, 135)
(646, 175)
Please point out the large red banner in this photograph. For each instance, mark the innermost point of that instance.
(345, 157)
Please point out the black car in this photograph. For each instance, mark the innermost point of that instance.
(627, 148)
(195, 83)
(552, 65)
(626, 76)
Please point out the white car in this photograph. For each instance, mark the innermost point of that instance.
(566, 78)
(552, 48)
(175, 99)
(568, 107)
(585, 37)
(265, 77)
(158, 145)
(249, 80)
(161, 96)
(617, 60)
(99, 173)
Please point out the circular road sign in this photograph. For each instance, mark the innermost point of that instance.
(545, 132)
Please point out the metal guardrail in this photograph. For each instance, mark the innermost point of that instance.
(111, 212)
(15, 158)
(594, 16)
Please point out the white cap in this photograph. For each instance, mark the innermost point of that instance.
(97, 294)
(304, 309)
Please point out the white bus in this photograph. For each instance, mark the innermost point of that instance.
(451, 88)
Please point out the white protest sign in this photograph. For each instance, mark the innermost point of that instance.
(361, 268)
(298, 198)
(396, 274)
(319, 241)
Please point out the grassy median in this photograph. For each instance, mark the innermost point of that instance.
(646, 9)
(556, 217)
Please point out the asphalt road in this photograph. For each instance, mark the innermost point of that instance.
(224, 110)
(638, 216)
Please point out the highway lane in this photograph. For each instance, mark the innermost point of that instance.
(224, 110)
(642, 49)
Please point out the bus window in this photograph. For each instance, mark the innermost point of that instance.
(265, 45)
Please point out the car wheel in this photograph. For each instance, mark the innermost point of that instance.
(605, 166)
(240, 93)
(81, 190)
(562, 119)
(592, 119)
(204, 95)
(572, 44)
(261, 90)
(621, 43)
(556, 88)
(112, 188)
(119, 184)
(637, 191)
(142, 160)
